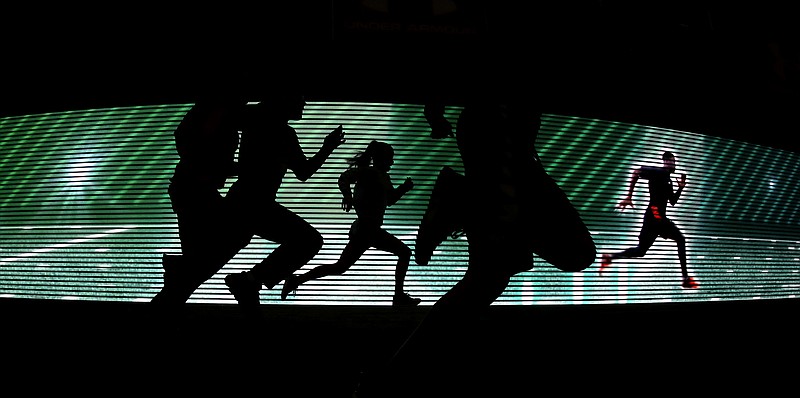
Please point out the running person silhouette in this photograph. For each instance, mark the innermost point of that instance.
(269, 148)
(374, 192)
(509, 209)
(655, 222)
(206, 141)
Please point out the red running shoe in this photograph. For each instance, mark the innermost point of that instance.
(689, 283)
(605, 262)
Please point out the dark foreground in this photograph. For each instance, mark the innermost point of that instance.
(115, 349)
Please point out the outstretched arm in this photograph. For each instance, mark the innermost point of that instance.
(304, 170)
(628, 201)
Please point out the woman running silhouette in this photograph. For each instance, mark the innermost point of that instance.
(374, 192)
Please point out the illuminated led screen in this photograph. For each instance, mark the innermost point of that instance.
(85, 215)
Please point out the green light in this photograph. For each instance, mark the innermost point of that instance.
(84, 212)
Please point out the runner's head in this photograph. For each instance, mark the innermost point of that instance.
(669, 161)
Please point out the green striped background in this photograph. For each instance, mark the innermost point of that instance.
(84, 213)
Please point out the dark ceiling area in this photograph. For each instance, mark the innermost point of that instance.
(720, 68)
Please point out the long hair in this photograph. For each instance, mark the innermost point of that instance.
(374, 149)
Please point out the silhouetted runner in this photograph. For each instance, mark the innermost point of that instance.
(655, 222)
(269, 148)
(509, 208)
(206, 141)
(374, 192)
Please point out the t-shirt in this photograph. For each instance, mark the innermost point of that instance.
(659, 185)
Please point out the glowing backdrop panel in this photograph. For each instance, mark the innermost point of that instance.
(84, 212)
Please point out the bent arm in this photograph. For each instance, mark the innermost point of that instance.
(307, 167)
(628, 200)
(634, 179)
(677, 194)
(304, 168)
(399, 191)
(347, 179)
(434, 115)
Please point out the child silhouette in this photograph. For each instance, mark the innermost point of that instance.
(374, 192)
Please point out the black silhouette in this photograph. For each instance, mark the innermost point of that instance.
(509, 208)
(374, 192)
(269, 148)
(206, 141)
(655, 222)
(434, 115)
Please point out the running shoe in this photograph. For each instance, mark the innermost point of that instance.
(404, 300)
(605, 263)
(689, 283)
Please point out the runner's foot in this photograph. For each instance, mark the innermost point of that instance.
(689, 283)
(404, 300)
(605, 263)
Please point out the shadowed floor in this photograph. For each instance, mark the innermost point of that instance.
(109, 348)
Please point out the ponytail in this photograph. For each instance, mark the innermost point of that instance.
(363, 158)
